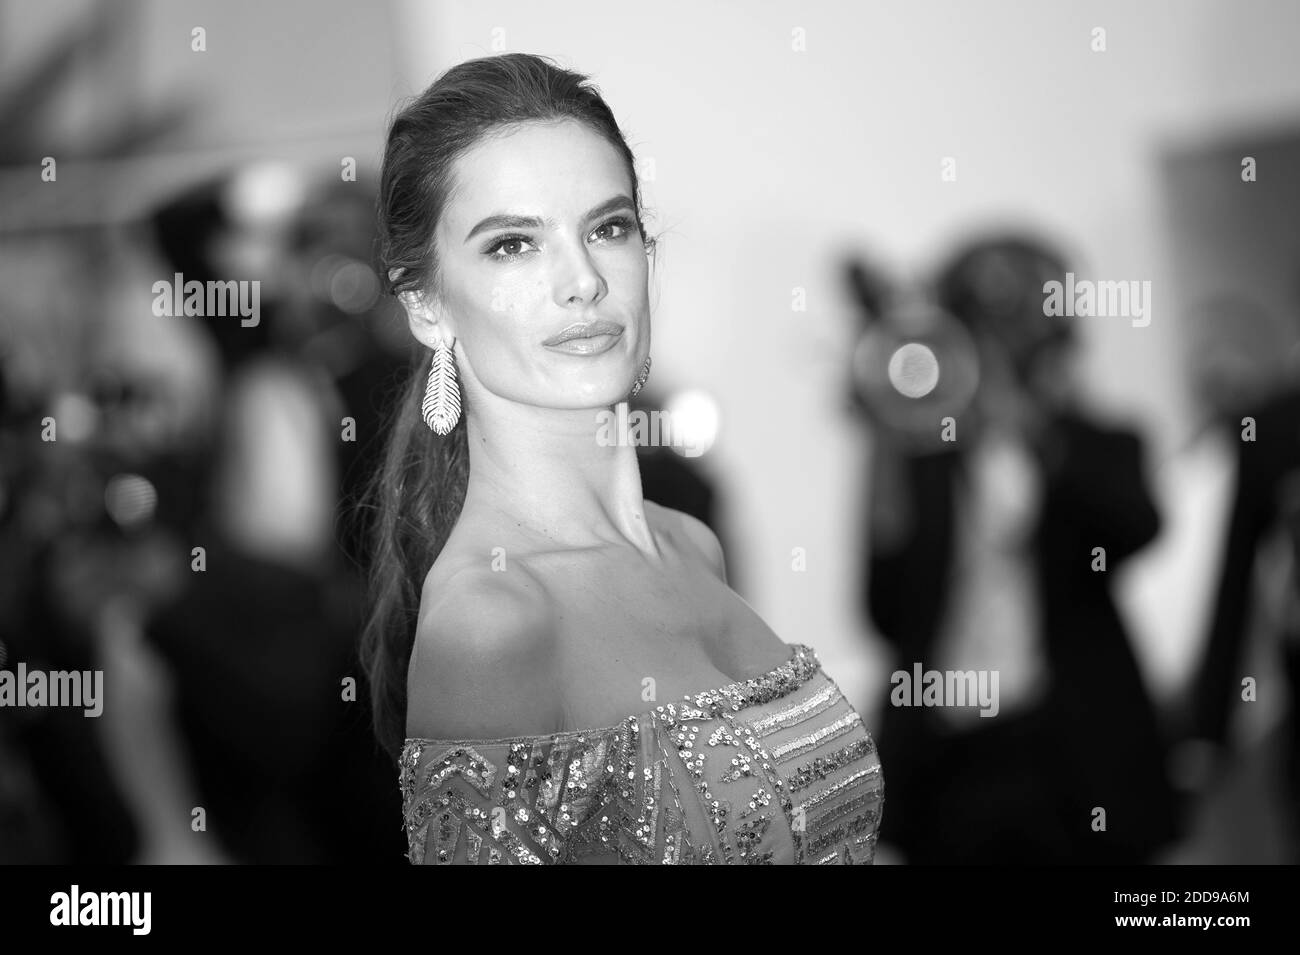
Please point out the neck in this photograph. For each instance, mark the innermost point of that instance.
(543, 472)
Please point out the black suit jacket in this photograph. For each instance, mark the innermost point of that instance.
(1025, 787)
(1262, 466)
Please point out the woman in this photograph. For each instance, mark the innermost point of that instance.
(530, 609)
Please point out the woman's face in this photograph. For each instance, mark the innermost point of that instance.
(539, 234)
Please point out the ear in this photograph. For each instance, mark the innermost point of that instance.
(428, 321)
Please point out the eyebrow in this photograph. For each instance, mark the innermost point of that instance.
(533, 222)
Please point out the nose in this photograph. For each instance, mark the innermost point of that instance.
(577, 280)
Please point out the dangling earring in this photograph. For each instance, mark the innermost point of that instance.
(441, 406)
(640, 379)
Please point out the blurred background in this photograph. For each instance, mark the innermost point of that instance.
(859, 207)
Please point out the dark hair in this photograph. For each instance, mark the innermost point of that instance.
(415, 495)
(993, 283)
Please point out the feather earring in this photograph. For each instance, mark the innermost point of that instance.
(441, 408)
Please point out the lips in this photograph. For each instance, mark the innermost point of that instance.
(585, 330)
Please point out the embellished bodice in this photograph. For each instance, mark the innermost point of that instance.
(776, 769)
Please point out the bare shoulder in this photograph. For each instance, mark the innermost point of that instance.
(699, 534)
(482, 666)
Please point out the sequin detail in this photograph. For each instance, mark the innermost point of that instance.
(803, 744)
(709, 779)
(799, 712)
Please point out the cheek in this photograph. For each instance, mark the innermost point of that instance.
(635, 265)
(629, 285)
(497, 307)
(512, 299)
(501, 329)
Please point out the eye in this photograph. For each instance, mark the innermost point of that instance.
(501, 243)
(614, 230)
(622, 223)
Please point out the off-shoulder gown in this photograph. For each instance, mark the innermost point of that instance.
(777, 769)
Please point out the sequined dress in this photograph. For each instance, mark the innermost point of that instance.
(777, 769)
